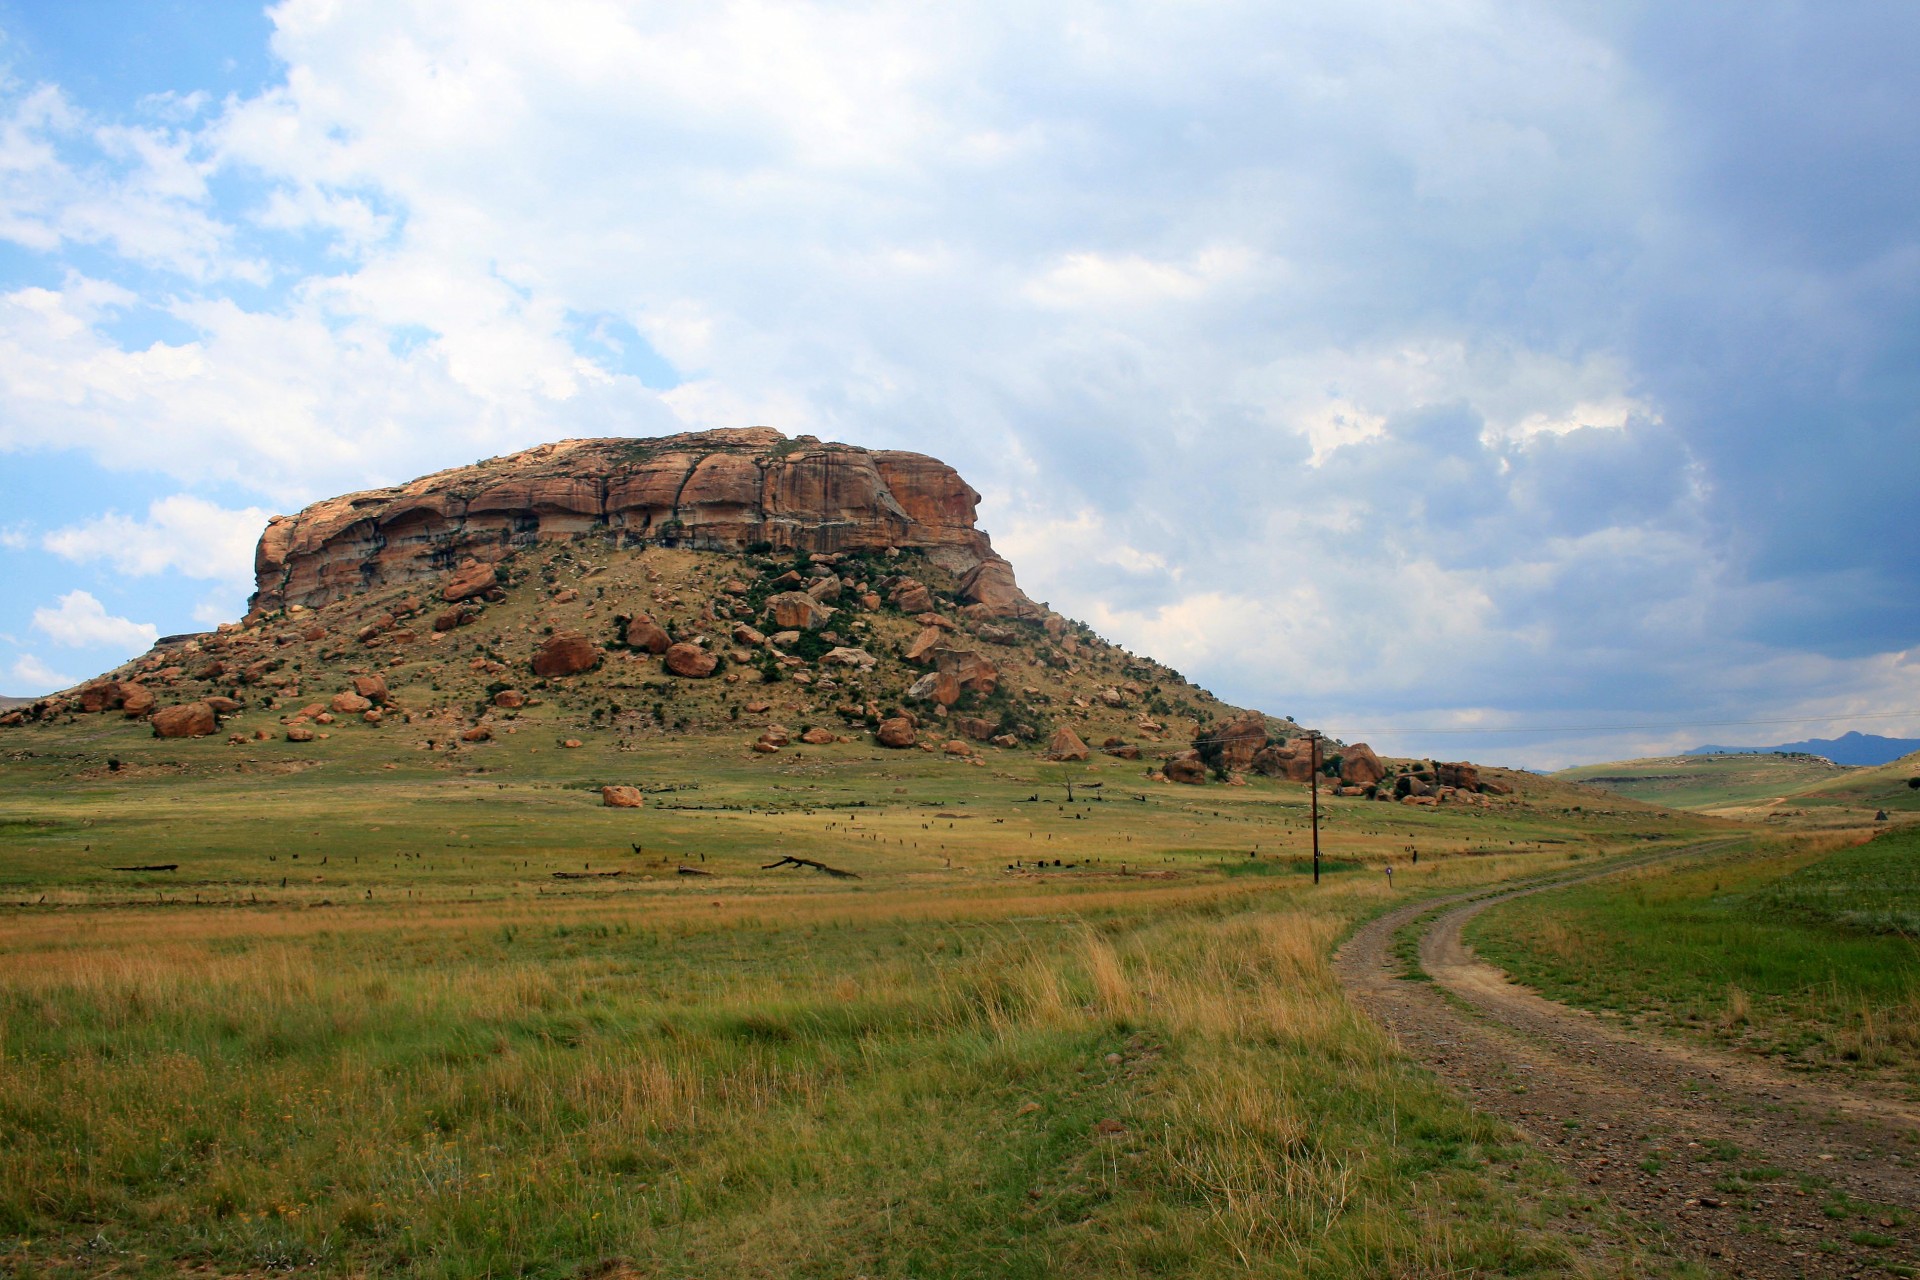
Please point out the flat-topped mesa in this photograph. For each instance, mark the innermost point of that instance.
(709, 490)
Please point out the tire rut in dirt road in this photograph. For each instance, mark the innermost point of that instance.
(1756, 1172)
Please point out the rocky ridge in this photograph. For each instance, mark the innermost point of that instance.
(727, 490)
(474, 625)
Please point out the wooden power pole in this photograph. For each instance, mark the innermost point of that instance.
(1313, 738)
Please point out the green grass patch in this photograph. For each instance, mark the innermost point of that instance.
(1796, 948)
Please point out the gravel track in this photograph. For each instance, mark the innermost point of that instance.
(1651, 1122)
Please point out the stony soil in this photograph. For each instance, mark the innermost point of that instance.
(1752, 1170)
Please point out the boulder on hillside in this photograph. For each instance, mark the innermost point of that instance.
(910, 595)
(1186, 767)
(642, 632)
(1359, 767)
(817, 737)
(826, 590)
(1291, 760)
(565, 653)
(897, 732)
(372, 688)
(621, 797)
(137, 700)
(349, 704)
(691, 661)
(469, 580)
(448, 619)
(1065, 745)
(846, 657)
(969, 668)
(1236, 742)
(188, 720)
(974, 727)
(510, 699)
(103, 695)
(935, 686)
(1459, 774)
(299, 733)
(798, 611)
(744, 634)
(920, 652)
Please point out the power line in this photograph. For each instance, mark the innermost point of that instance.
(1686, 724)
(1615, 728)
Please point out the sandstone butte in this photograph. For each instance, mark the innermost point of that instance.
(711, 490)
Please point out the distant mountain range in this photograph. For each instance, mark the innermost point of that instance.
(1850, 748)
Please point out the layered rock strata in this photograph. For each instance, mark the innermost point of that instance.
(713, 490)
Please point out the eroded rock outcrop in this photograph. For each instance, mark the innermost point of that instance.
(715, 490)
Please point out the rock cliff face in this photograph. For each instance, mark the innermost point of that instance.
(712, 490)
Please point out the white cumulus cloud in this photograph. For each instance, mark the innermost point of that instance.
(183, 533)
(82, 622)
(30, 676)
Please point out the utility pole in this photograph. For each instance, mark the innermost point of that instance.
(1313, 738)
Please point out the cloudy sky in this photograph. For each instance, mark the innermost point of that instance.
(1402, 366)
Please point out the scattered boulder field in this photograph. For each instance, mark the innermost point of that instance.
(786, 594)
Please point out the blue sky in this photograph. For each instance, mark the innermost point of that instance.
(1401, 367)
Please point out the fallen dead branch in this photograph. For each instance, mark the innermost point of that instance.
(791, 861)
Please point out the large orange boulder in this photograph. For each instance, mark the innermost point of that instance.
(897, 732)
(1359, 767)
(975, 727)
(990, 585)
(910, 595)
(1239, 740)
(644, 633)
(798, 611)
(565, 653)
(1065, 745)
(921, 650)
(349, 704)
(935, 686)
(137, 700)
(1187, 767)
(470, 579)
(621, 797)
(372, 688)
(968, 668)
(104, 695)
(188, 720)
(1460, 774)
(691, 661)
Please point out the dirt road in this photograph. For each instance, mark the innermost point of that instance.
(1754, 1171)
